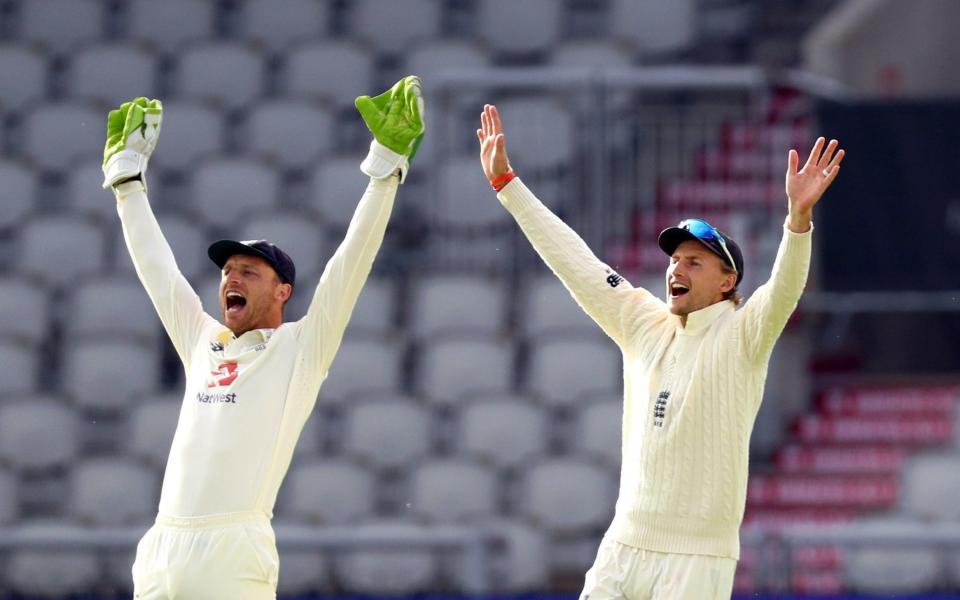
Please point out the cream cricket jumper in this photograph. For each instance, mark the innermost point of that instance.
(690, 393)
(246, 398)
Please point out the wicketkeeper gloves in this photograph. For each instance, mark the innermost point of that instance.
(132, 132)
(395, 118)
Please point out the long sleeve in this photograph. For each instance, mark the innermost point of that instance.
(321, 329)
(765, 314)
(602, 293)
(178, 306)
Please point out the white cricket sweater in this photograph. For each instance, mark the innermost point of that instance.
(683, 479)
(246, 398)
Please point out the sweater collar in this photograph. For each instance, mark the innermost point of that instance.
(703, 318)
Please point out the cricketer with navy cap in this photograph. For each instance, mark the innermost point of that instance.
(694, 370)
(252, 380)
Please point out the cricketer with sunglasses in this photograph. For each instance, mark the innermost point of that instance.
(694, 369)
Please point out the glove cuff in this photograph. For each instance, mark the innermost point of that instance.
(124, 165)
(382, 162)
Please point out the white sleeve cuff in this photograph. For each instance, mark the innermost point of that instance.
(382, 162)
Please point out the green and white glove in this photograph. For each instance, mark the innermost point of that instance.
(395, 118)
(132, 133)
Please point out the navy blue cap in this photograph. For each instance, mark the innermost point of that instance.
(221, 251)
(672, 237)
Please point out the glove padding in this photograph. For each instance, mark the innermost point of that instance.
(132, 133)
(395, 118)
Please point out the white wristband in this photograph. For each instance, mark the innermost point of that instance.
(382, 162)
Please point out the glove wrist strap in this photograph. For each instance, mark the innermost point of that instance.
(123, 165)
(382, 162)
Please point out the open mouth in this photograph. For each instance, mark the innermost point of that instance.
(678, 289)
(235, 301)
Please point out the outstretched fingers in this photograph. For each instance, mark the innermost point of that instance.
(815, 152)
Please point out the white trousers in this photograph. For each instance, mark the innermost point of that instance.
(628, 573)
(222, 557)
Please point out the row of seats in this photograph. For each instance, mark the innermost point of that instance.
(331, 71)
(384, 432)
(533, 26)
(432, 307)
(521, 564)
(95, 373)
(275, 137)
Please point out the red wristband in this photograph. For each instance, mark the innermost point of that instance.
(498, 183)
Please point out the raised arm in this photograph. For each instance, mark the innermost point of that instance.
(132, 132)
(396, 120)
(604, 294)
(766, 313)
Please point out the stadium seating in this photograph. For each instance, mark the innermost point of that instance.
(362, 365)
(109, 374)
(150, 427)
(335, 71)
(59, 26)
(23, 77)
(49, 246)
(24, 311)
(656, 27)
(38, 433)
(109, 74)
(599, 426)
(387, 433)
(473, 204)
(387, 571)
(457, 304)
(170, 25)
(51, 573)
(931, 486)
(534, 26)
(226, 190)
(21, 192)
(9, 511)
(392, 26)
(301, 571)
(117, 307)
(328, 492)
(113, 491)
(57, 135)
(563, 369)
(453, 491)
(264, 25)
(507, 431)
(192, 131)
(21, 368)
(453, 367)
(289, 134)
(229, 74)
(568, 496)
(336, 186)
(549, 308)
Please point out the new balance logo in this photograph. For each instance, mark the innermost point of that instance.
(614, 279)
(660, 408)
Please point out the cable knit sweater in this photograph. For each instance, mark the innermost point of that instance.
(691, 393)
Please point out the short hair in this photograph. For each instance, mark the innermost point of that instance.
(734, 294)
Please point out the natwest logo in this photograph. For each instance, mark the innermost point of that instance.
(225, 374)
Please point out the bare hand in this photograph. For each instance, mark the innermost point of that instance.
(493, 147)
(806, 186)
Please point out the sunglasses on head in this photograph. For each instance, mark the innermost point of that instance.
(705, 231)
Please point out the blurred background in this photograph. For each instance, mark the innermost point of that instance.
(467, 440)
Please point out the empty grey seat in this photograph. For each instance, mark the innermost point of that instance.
(520, 565)
(453, 491)
(23, 77)
(38, 433)
(548, 307)
(568, 496)
(20, 368)
(290, 134)
(275, 30)
(109, 375)
(542, 131)
(361, 366)
(931, 487)
(301, 571)
(392, 27)
(329, 492)
(226, 190)
(893, 570)
(599, 429)
(299, 236)
(187, 239)
(561, 370)
(657, 26)
(24, 311)
(57, 136)
(112, 73)
(114, 306)
(9, 502)
(192, 131)
(534, 26)
(52, 573)
(84, 194)
(335, 189)
(508, 432)
(113, 491)
(150, 429)
(431, 58)
(61, 249)
(229, 74)
(374, 312)
(169, 25)
(467, 198)
(336, 71)
(388, 433)
(592, 54)
(457, 303)
(452, 368)
(60, 25)
(386, 572)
